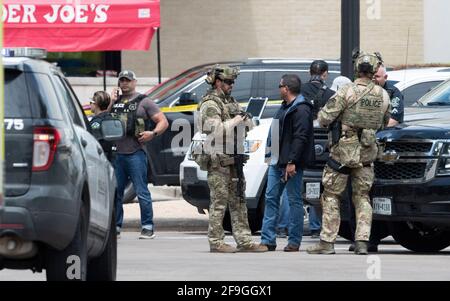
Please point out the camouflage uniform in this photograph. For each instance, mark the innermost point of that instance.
(216, 111)
(356, 150)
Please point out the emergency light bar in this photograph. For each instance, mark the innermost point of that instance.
(37, 53)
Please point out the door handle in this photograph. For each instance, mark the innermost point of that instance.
(83, 142)
(99, 150)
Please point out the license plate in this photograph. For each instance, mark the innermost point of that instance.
(382, 206)
(312, 190)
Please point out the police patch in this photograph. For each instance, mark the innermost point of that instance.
(132, 107)
(95, 125)
(395, 102)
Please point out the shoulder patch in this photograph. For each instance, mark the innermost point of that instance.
(95, 125)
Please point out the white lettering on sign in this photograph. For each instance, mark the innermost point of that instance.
(144, 13)
(79, 13)
(100, 12)
(28, 14)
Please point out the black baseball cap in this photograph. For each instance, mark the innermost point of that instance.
(128, 74)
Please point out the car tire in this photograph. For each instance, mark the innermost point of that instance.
(129, 195)
(104, 267)
(419, 237)
(59, 264)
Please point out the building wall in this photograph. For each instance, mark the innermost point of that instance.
(200, 31)
(437, 24)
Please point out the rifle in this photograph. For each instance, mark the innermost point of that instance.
(335, 129)
(239, 161)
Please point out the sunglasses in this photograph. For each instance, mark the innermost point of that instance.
(281, 86)
(229, 81)
(92, 102)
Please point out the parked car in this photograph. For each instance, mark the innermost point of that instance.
(59, 186)
(414, 83)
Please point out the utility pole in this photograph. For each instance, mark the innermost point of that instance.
(349, 34)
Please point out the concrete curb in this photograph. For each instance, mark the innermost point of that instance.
(168, 191)
(168, 224)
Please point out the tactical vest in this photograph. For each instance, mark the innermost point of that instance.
(368, 112)
(228, 109)
(364, 115)
(126, 112)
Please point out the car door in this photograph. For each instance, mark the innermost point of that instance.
(96, 161)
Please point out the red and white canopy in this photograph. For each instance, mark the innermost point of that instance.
(80, 25)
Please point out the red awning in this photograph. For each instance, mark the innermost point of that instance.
(80, 25)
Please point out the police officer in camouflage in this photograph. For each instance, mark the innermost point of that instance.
(362, 108)
(221, 120)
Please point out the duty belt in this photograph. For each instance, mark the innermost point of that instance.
(336, 166)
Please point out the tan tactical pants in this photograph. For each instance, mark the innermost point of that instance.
(224, 193)
(334, 184)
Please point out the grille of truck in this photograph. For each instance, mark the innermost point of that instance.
(400, 171)
(408, 147)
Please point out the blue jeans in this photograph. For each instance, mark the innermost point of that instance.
(133, 167)
(283, 220)
(315, 220)
(273, 193)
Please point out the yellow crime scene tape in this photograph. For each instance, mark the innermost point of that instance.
(186, 108)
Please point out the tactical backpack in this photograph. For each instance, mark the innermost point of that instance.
(126, 112)
(317, 100)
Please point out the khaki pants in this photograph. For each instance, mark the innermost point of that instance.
(224, 193)
(334, 184)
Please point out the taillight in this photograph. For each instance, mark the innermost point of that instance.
(44, 147)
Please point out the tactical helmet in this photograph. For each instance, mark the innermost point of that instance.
(367, 62)
(221, 72)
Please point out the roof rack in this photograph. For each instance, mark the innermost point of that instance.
(291, 60)
(37, 53)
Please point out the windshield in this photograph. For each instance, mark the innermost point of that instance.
(172, 85)
(439, 96)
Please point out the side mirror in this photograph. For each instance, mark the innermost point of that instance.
(112, 129)
(187, 98)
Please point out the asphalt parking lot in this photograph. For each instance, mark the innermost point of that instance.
(180, 253)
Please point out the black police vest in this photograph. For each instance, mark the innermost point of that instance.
(107, 146)
(126, 112)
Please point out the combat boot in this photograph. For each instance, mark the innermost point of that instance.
(323, 247)
(361, 247)
(254, 248)
(223, 248)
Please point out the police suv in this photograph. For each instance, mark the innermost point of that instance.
(59, 187)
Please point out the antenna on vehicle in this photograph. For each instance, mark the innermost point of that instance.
(407, 52)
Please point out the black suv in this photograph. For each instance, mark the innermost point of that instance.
(59, 187)
(258, 78)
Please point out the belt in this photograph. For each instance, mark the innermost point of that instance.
(336, 166)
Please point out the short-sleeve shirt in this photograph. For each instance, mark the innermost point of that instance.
(146, 110)
(397, 102)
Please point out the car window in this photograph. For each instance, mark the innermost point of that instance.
(242, 86)
(171, 86)
(17, 103)
(440, 96)
(43, 97)
(414, 92)
(272, 79)
(241, 89)
(68, 101)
